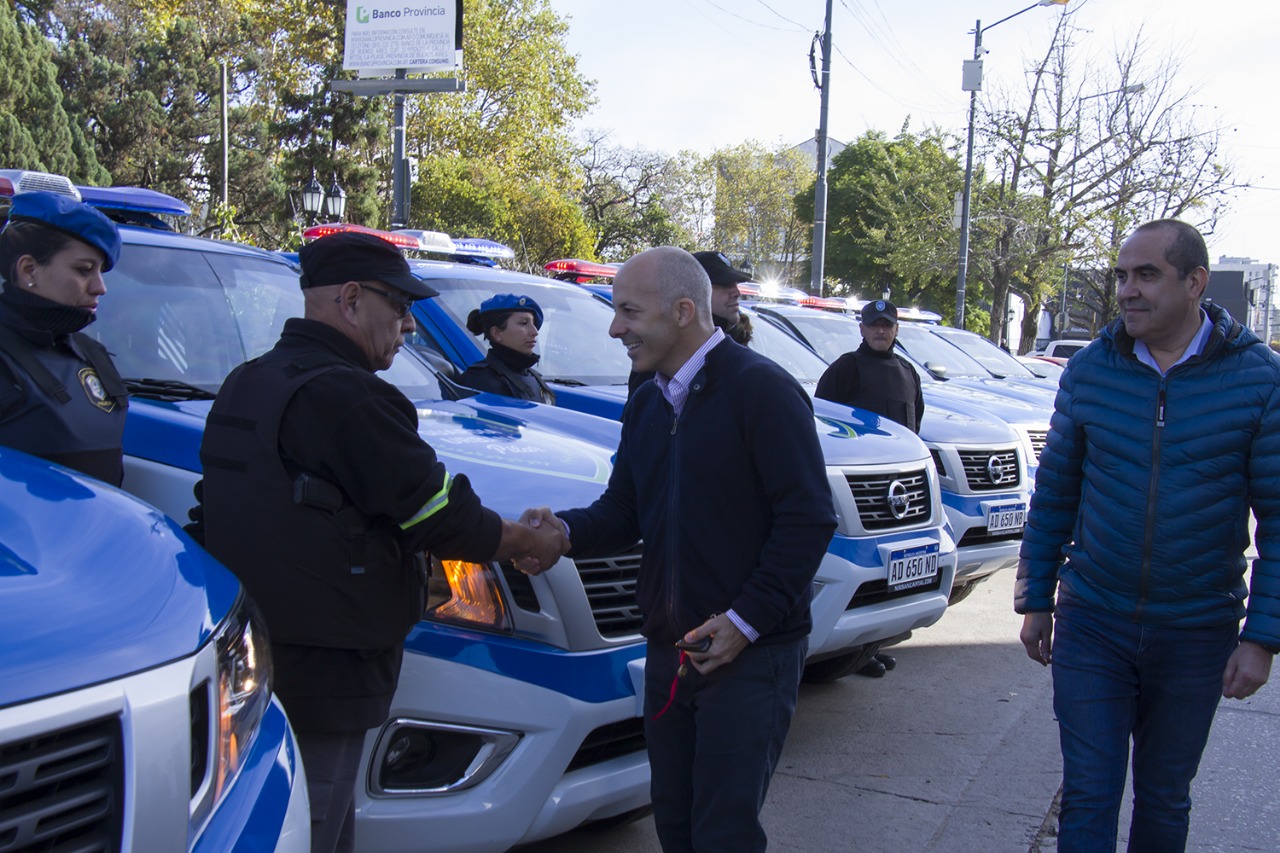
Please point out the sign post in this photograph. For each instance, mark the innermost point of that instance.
(391, 39)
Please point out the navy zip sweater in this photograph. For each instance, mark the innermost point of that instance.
(731, 499)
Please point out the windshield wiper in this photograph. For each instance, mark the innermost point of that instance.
(170, 390)
(572, 383)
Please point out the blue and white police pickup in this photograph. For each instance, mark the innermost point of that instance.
(980, 446)
(136, 711)
(518, 714)
(890, 566)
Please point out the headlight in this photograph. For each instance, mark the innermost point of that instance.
(243, 690)
(468, 594)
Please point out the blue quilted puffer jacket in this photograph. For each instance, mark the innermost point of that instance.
(1146, 483)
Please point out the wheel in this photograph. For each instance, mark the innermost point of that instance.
(961, 592)
(831, 669)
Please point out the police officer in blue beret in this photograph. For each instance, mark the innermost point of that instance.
(61, 398)
(510, 324)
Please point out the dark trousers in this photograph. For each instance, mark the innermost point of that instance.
(714, 748)
(331, 761)
(1115, 680)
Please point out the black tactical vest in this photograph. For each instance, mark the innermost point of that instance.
(323, 573)
(69, 404)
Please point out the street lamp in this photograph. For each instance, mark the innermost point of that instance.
(335, 201)
(312, 200)
(972, 83)
(316, 200)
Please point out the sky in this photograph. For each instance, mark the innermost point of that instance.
(699, 75)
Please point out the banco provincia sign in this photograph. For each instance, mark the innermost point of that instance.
(414, 35)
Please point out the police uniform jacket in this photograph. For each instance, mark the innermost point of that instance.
(61, 398)
(880, 382)
(496, 376)
(319, 494)
(731, 499)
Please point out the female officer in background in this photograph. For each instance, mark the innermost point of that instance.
(61, 397)
(510, 324)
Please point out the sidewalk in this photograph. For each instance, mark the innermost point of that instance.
(956, 751)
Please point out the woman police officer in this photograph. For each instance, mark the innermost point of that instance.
(510, 324)
(61, 397)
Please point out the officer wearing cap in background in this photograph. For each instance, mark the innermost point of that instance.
(724, 306)
(61, 398)
(874, 378)
(510, 324)
(321, 496)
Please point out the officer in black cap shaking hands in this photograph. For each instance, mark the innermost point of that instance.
(321, 496)
(874, 378)
(61, 397)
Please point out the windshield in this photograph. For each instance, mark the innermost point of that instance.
(931, 351)
(990, 356)
(573, 344)
(188, 318)
(831, 335)
(794, 357)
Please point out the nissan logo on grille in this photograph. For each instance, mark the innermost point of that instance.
(899, 500)
(996, 471)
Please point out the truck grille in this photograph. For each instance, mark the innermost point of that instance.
(610, 583)
(610, 741)
(893, 500)
(1039, 437)
(63, 791)
(980, 536)
(991, 470)
(876, 591)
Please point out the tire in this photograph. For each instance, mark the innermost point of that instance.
(961, 592)
(832, 669)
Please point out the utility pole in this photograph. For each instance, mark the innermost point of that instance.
(818, 260)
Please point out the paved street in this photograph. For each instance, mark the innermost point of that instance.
(956, 750)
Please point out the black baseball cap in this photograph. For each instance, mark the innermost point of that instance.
(352, 256)
(881, 309)
(719, 270)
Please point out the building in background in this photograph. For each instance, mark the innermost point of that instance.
(1246, 288)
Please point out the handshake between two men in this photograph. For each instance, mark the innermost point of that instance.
(535, 542)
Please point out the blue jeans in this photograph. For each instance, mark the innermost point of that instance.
(713, 749)
(1115, 679)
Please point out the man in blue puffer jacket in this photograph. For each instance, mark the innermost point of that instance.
(1166, 432)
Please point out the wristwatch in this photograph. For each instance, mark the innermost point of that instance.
(1273, 650)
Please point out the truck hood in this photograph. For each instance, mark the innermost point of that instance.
(94, 584)
(516, 454)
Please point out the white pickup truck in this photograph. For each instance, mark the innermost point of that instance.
(1063, 348)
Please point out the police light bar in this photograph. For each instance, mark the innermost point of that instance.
(403, 241)
(826, 303)
(573, 269)
(14, 181)
(478, 247)
(428, 241)
(134, 200)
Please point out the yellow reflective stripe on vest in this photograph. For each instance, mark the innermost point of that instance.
(437, 502)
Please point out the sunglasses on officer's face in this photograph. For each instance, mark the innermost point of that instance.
(401, 304)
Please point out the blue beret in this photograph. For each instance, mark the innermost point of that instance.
(511, 302)
(71, 217)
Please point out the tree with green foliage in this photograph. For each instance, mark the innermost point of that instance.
(470, 198)
(623, 197)
(890, 222)
(35, 130)
(755, 219)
